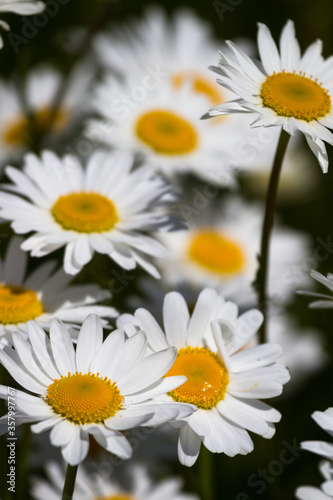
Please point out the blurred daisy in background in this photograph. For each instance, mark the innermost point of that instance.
(182, 50)
(42, 295)
(105, 208)
(223, 383)
(325, 420)
(98, 389)
(139, 486)
(23, 7)
(290, 90)
(220, 249)
(22, 124)
(163, 126)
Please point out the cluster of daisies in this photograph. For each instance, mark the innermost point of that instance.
(148, 191)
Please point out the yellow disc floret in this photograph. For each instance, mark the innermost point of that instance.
(116, 497)
(18, 304)
(85, 212)
(166, 132)
(207, 377)
(295, 96)
(200, 85)
(18, 131)
(216, 252)
(84, 398)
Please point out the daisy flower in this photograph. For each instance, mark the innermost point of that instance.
(326, 489)
(289, 90)
(104, 208)
(163, 126)
(183, 48)
(98, 390)
(325, 420)
(220, 249)
(39, 92)
(23, 7)
(102, 488)
(326, 301)
(222, 381)
(42, 295)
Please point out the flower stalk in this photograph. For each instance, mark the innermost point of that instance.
(261, 279)
(68, 490)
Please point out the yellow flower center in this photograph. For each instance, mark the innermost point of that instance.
(166, 133)
(85, 212)
(295, 96)
(18, 131)
(216, 252)
(84, 399)
(200, 84)
(18, 305)
(207, 377)
(116, 497)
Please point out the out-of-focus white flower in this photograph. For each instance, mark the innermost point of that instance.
(221, 246)
(40, 90)
(163, 126)
(179, 49)
(142, 487)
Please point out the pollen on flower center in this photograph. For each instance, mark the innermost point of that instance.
(295, 96)
(18, 304)
(216, 252)
(84, 398)
(18, 131)
(200, 85)
(207, 377)
(166, 133)
(85, 212)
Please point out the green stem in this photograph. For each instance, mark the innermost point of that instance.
(206, 474)
(261, 281)
(68, 490)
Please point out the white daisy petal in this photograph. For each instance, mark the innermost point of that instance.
(62, 347)
(188, 446)
(176, 318)
(90, 340)
(76, 450)
(148, 370)
(268, 51)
